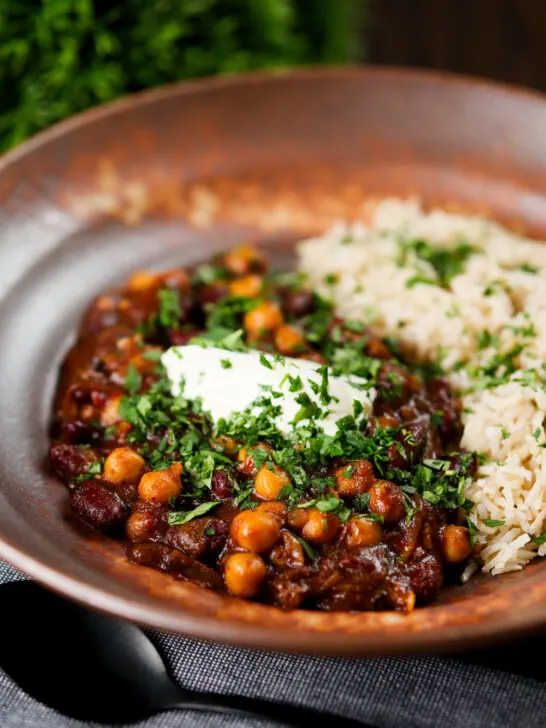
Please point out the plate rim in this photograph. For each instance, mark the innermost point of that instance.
(452, 638)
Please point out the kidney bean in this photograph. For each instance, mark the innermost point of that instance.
(466, 461)
(70, 460)
(212, 293)
(298, 303)
(146, 522)
(79, 433)
(98, 506)
(445, 405)
(222, 484)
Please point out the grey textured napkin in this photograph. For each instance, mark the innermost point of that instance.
(487, 689)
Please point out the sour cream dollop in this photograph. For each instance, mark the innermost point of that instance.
(227, 382)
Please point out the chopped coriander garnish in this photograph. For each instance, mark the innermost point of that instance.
(152, 355)
(222, 339)
(207, 274)
(330, 279)
(133, 380)
(447, 263)
(169, 313)
(264, 361)
(471, 532)
(527, 268)
(415, 280)
(92, 470)
(295, 383)
(178, 518)
(491, 523)
(306, 547)
(539, 539)
(226, 363)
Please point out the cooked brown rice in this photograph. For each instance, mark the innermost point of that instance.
(486, 326)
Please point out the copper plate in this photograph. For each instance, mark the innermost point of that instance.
(169, 176)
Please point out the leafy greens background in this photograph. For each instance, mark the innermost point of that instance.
(58, 57)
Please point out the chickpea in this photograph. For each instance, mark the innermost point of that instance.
(387, 500)
(227, 444)
(160, 485)
(244, 574)
(246, 461)
(246, 287)
(456, 544)
(320, 527)
(288, 340)
(355, 478)
(140, 526)
(256, 531)
(109, 415)
(263, 319)
(142, 280)
(124, 465)
(269, 483)
(362, 532)
(243, 260)
(297, 518)
(143, 365)
(377, 349)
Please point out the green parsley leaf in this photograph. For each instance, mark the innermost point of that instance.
(539, 539)
(472, 531)
(133, 380)
(307, 548)
(446, 262)
(264, 361)
(326, 505)
(226, 363)
(178, 518)
(207, 274)
(295, 383)
(527, 268)
(325, 397)
(221, 338)
(491, 523)
(169, 313)
(152, 355)
(415, 280)
(92, 470)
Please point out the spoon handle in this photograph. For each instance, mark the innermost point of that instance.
(289, 715)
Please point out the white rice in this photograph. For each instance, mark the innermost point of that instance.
(447, 324)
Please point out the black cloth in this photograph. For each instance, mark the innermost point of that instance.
(502, 687)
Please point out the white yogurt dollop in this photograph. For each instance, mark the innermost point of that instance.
(227, 382)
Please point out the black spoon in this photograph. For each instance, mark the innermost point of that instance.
(97, 668)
